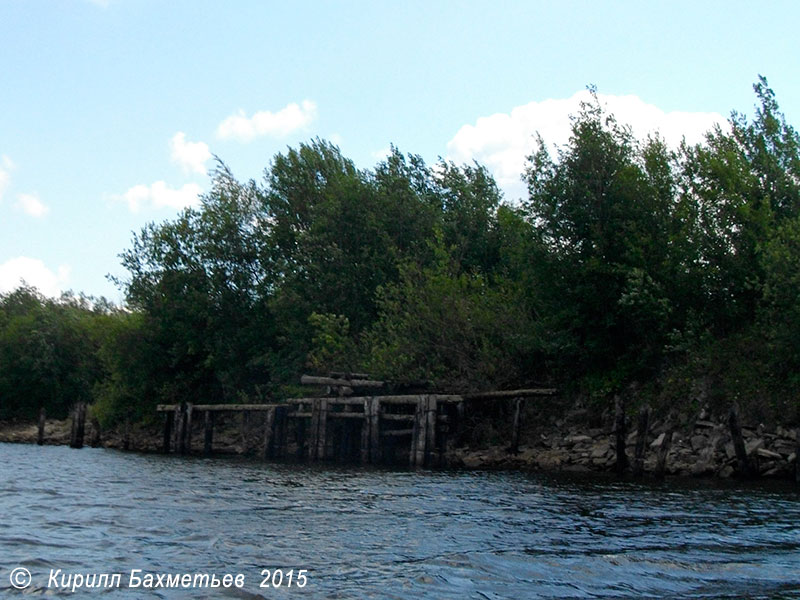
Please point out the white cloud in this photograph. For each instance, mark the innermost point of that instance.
(192, 156)
(31, 205)
(32, 271)
(160, 195)
(502, 141)
(6, 166)
(287, 120)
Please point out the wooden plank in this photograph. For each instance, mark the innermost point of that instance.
(508, 394)
(299, 415)
(269, 430)
(345, 415)
(333, 382)
(641, 441)
(397, 433)
(392, 417)
(220, 407)
(42, 422)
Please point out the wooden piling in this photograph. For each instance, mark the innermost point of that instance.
(168, 418)
(95, 433)
(244, 426)
(514, 447)
(314, 433)
(78, 425)
(738, 441)
(300, 436)
(620, 430)
(180, 428)
(419, 435)
(42, 422)
(188, 428)
(365, 432)
(269, 425)
(280, 437)
(322, 434)
(208, 432)
(375, 454)
(126, 434)
(663, 452)
(431, 410)
(641, 441)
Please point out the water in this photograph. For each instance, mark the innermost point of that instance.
(365, 533)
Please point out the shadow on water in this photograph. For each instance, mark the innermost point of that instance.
(380, 533)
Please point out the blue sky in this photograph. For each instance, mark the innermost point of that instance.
(109, 110)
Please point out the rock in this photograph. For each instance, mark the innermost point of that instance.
(698, 442)
(701, 468)
(730, 451)
(792, 457)
(577, 439)
(764, 453)
(726, 472)
(771, 472)
(704, 425)
(753, 445)
(599, 450)
(658, 441)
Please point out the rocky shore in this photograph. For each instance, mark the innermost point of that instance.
(703, 448)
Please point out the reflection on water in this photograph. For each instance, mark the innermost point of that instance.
(365, 533)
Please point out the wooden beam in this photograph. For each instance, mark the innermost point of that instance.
(510, 394)
(333, 382)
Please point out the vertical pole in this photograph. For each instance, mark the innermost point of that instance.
(188, 419)
(621, 433)
(663, 453)
(95, 432)
(244, 423)
(375, 454)
(322, 438)
(168, 418)
(269, 424)
(42, 421)
(419, 434)
(365, 432)
(738, 441)
(461, 416)
(641, 441)
(178, 424)
(514, 448)
(430, 428)
(314, 437)
(126, 435)
(208, 432)
(300, 433)
(281, 436)
(78, 425)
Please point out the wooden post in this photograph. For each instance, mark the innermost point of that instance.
(738, 441)
(641, 441)
(365, 432)
(514, 448)
(126, 435)
(322, 434)
(419, 434)
(300, 434)
(95, 432)
(180, 428)
(269, 425)
(208, 432)
(621, 433)
(78, 425)
(430, 428)
(663, 452)
(797, 456)
(245, 422)
(375, 454)
(460, 424)
(188, 419)
(42, 421)
(280, 439)
(168, 418)
(314, 437)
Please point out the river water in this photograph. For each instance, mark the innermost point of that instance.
(367, 533)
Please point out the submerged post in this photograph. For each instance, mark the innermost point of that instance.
(208, 432)
(168, 418)
(641, 441)
(514, 447)
(663, 452)
(621, 433)
(738, 441)
(42, 421)
(78, 425)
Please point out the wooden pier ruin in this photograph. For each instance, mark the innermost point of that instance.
(371, 429)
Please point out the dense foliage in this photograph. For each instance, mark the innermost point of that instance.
(629, 263)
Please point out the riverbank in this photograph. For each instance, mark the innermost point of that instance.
(702, 448)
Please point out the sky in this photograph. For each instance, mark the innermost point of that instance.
(111, 110)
